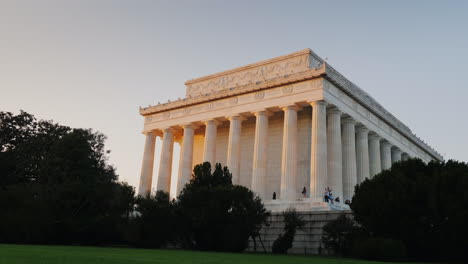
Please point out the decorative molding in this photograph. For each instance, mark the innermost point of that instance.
(187, 110)
(251, 74)
(226, 93)
(287, 89)
(233, 100)
(259, 95)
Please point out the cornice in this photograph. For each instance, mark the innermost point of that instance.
(293, 78)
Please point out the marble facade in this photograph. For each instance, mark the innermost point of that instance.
(279, 125)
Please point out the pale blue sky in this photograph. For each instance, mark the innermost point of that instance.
(93, 63)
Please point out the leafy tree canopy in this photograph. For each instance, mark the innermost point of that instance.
(423, 205)
(216, 214)
(56, 185)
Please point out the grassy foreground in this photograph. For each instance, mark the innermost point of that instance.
(25, 254)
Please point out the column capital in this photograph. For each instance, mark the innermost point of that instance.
(374, 135)
(169, 130)
(236, 117)
(262, 112)
(189, 125)
(320, 102)
(335, 111)
(294, 107)
(396, 149)
(362, 129)
(386, 143)
(150, 133)
(348, 120)
(155, 132)
(212, 120)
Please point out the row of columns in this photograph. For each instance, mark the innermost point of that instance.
(342, 153)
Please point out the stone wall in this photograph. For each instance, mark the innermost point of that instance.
(306, 241)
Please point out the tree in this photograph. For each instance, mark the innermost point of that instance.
(56, 184)
(154, 224)
(423, 205)
(340, 234)
(216, 214)
(292, 222)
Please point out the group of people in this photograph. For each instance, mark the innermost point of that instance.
(304, 193)
(328, 196)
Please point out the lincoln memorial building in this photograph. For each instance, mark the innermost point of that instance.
(279, 125)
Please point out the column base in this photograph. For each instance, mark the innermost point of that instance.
(304, 205)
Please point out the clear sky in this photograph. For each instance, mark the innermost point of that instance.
(92, 63)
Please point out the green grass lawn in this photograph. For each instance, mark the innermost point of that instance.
(25, 254)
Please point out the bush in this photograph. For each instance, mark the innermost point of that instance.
(379, 249)
(214, 214)
(153, 225)
(56, 185)
(421, 205)
(292, 222)
(340, 234)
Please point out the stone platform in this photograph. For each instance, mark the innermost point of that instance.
(304, 205)
(308, 240)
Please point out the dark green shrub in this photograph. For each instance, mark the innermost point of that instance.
(292, 222)
(214, 214)
(340, 234)
(379, 249)
(422, 205)
(153, 225)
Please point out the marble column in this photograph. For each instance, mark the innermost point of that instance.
(396, 155)
(186, 157)
(146, 175)
(386, 155)
(318, 150)
(209, 147)
(233, 152)
(289, 155)
(259, 166)
(348, 137)
(165, 165)
(334, 153)
(362, 153)
(375, 166)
